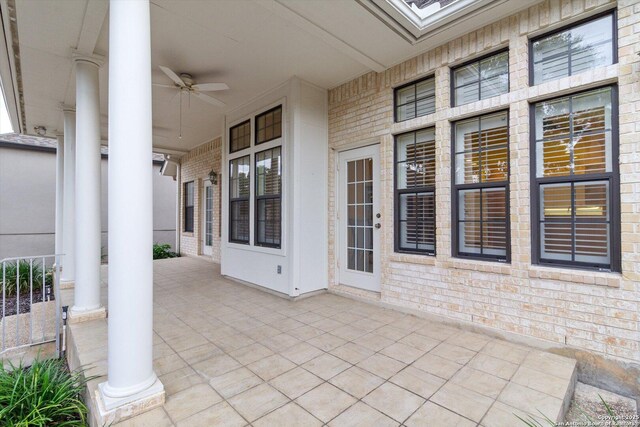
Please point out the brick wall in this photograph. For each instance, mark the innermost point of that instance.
(593, 311)
(195, 166)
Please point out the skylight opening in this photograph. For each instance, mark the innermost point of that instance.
(425, 8)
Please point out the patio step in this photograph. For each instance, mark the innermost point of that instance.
(541, 389)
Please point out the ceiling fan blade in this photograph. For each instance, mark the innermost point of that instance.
(209, 99)
(167, 86)
(210, 87)
(173, 76)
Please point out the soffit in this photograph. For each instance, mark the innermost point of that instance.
(253, 46)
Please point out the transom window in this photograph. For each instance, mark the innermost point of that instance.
(415, 192)
(415, 99)
(239, 193)
(483, 78)
(481, 189)
(189, 200)
(574, 50)
(268, 197)
(576, 180)
(240, 137)
(269, 125)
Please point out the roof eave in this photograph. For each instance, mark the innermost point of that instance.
(8, 74)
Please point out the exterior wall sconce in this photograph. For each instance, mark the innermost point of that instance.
(213, 177)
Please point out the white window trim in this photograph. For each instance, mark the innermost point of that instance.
(251, 151)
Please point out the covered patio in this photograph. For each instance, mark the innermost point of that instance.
(231, 354)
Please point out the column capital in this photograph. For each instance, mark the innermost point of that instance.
(97, 60)
(66, 108)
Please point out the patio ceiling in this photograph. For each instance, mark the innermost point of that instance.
(252, 46)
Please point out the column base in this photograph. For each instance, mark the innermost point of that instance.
(78, 316)
(112, 410)
(67, 284)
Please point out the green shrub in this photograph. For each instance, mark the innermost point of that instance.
(21, 271)
(44, 394)
(162, 251)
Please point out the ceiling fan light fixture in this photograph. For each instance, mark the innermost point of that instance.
(187, 79)
(185, 83)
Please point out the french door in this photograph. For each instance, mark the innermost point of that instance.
(207, 219)
(358, 218)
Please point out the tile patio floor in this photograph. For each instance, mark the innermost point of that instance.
(232, 355)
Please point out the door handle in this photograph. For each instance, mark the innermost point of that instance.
(377, 225)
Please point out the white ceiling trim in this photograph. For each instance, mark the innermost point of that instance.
(8, 77)
(443, 15)
(406, 23)
(168, 150)
(303, 23)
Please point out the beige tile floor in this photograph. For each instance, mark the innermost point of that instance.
(232, 355)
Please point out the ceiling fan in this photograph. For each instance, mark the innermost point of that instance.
(185, 83)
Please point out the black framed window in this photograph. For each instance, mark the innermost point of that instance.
(573, 50)
(575, 197)
(415, 99)
(240, 137)
(483, 78)
(415, 213)
(268, 197)
(189, 199)
(269, 125)
(239, 193)
(481, 187)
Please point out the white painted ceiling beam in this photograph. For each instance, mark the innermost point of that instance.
(94, 17)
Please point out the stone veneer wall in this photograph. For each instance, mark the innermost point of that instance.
(195, 166)
(592, 311)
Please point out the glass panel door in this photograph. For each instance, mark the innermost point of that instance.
(207, 247)
(360, 215)
(359, 218)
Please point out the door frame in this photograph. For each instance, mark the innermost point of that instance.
(339, 236)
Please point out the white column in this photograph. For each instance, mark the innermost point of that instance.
(69, 193)
(88, 160)
(59, 193)
(130, 352)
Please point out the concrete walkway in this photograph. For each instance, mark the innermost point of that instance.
(232, 355)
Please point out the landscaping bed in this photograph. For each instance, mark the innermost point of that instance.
(11, 302)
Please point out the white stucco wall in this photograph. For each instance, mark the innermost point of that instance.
(27, 203)
(303, 252)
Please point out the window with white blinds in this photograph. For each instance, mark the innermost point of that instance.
(576, 179)
(189, 201)
(574, 50)
(481, 187)
(415, 192)
(239, 188)
(268, 200)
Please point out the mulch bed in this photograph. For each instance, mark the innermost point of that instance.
(10, 303)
